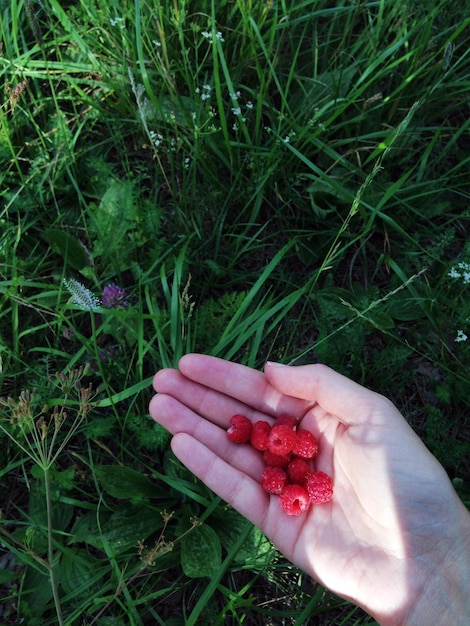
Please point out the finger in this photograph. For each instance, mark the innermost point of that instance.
(334, 393)
(242, 383)
(233, 485)
(177, 418)
(203, 400)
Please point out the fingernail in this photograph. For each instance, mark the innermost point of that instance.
(274, 364)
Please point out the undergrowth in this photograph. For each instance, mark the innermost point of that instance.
(252, 180)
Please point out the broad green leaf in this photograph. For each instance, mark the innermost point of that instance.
(78, 570)
(124, 483)
(201, 552)
(117, 533)
(179, 111)
(257, 550)
(69, 247)
(406, 309)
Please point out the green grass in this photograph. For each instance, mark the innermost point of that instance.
(265, 180)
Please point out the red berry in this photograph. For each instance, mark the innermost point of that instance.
(276, 460)
(306, 445)
(294, 499)
(273, 480)
(319, 486)
(240, 429)
(260, 435)
(281, 439)
(286, 420)
(297, 470)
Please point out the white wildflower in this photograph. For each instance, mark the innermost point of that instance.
(208, 35)
(156, 138)
(205, 92)
(117, 21)
(461, 336)
(461, 271)
(81, 295)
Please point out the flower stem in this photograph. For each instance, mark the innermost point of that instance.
(50, 547)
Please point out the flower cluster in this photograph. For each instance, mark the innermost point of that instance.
(81, 295)
(117, 21)
(114, 297)
(237, 109)
(205, 92)
(208, 35)
(461, 271)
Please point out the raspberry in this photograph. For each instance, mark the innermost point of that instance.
(286, 454)
(286, 420)
(281, 439)
(294, 499)
(260, 435)
(276, 460)
(273, 480)
(306, 445)
(240, 429)
(319, 486)
(297, 470)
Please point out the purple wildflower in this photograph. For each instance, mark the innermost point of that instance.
(114, 297)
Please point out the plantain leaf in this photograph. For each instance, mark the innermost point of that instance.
(125, 483)
(69, 247)
(201, 552)
(118, 532)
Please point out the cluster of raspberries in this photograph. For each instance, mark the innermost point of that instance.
(288, 453)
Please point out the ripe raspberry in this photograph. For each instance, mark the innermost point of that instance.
(273, 480)
(286, 420)
(240, 429)
(319, 487)
(276, 460)
(297, 471)
(294, 499)
(260, 435)
(305, 446)
(281, 439)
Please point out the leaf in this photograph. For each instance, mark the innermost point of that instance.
(116, 214)
(201, 552)
(406, 310)
(256, 551)
(70, 249)
(78, 570)
(117, 533)
(37, 593)
(125, 483)
(179, 111)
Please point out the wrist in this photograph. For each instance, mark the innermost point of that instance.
(440, 576)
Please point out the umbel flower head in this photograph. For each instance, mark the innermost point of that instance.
(114, 297)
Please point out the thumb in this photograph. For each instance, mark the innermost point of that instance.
(333, 392)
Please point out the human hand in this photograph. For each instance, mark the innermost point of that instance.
(394, 521)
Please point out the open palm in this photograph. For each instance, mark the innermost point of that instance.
(364, 543)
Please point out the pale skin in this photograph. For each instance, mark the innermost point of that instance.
(395, 539)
